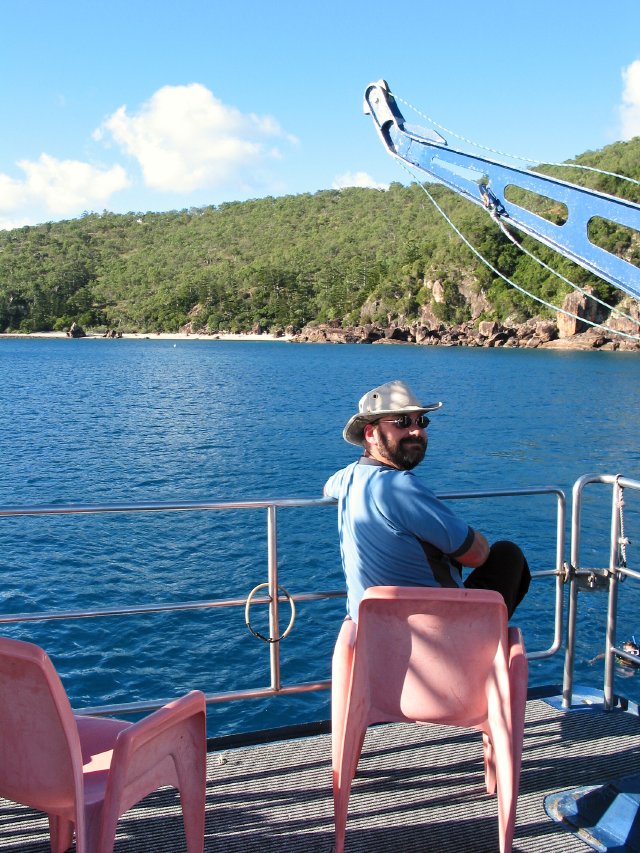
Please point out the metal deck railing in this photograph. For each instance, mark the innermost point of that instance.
(274, 595)
(570, 574)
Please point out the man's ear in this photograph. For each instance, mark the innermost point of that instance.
(369, 434)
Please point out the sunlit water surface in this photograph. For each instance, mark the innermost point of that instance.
(102, 421)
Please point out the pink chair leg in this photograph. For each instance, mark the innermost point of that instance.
(506, 794)
(101, 833)
(340, 808)
(355, 732)
(61, 832)
(489, 764)
(340, 678)
(192, 786)
(518, 676)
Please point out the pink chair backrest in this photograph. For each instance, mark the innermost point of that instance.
(426, 655)
(145, 755)
(40, 759)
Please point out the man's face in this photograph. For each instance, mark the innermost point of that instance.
(400, 448)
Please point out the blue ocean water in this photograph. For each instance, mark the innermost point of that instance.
(102, 421)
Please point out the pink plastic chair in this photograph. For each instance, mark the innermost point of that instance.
(431, 656)
(84, 772)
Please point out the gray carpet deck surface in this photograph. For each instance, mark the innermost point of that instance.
(418, 788)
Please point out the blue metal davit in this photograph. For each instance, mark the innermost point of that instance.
(484, 182)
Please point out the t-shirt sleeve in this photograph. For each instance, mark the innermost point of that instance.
(468, 542)
(332, 486)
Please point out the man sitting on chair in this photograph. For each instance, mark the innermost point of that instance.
(393, 529)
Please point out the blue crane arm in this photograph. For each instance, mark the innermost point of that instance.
(484, 182)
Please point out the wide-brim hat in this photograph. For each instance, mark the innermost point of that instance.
(392, 398)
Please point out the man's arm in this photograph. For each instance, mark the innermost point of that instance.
(331, 488)
(477, 553)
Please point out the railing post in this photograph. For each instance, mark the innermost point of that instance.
(560, 545)
(567, 683)
(569, 658)
(612, 609)
(274, 629)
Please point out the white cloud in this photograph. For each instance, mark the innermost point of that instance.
(7, 224)
(67, 185)
(357, 179)
(12, 192)
(630, 107)
(184, 138)
(58, 187)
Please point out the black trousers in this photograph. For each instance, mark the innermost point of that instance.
(505, 570)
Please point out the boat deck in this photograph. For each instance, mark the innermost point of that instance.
(418, 788)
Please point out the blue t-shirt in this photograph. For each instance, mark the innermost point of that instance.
(393, 530)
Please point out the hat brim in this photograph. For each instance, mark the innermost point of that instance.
(354, 430)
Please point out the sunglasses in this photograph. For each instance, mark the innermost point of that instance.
(405, 421)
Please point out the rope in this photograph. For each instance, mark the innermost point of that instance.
(504, 277)
(505, 153)
(280, 591)
(572, 284)
(622, 539)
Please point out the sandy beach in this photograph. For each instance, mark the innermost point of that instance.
(151, 336)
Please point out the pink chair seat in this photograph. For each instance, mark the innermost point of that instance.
(429, 655)
(84, 772)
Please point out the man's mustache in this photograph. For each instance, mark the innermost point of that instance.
(421, 441)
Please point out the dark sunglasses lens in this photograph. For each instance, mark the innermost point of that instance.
(405, 421)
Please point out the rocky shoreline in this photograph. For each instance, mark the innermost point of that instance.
(581, 324)
(530, 335)
(578, 325)
(533, 334)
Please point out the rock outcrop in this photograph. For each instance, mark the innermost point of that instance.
(76, 331)
(576, 309)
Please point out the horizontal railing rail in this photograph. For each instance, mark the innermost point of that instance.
(273, 597)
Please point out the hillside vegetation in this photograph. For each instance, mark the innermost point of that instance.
(354, 255)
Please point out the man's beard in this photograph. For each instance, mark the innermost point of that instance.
(404, 454)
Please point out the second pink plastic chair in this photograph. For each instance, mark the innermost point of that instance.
(428, 655)
(84, 772)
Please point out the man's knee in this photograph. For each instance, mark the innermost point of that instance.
(508, 551)
(507, 555)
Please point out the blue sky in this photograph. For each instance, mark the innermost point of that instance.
(151, 106)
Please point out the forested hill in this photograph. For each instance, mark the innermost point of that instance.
(355, 255)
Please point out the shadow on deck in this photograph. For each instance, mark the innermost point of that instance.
(418, 788)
